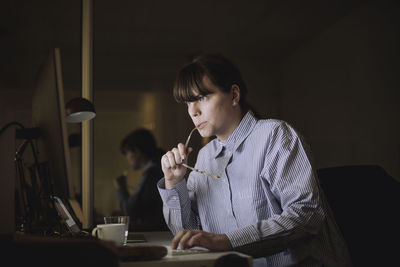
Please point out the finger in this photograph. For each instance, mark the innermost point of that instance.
(165, 162)
(182, 151)
(176, 239)
(177, 155)
(196, 240)
(171, 160)
(185, 239)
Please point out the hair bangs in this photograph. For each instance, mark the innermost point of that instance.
(188, 85)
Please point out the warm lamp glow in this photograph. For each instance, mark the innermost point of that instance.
(79, 109)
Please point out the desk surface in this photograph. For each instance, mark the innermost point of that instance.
(191, 260)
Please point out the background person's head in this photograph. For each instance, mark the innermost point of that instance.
(219, 70)
(139, 147)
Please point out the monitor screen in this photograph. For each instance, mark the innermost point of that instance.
(48, 113)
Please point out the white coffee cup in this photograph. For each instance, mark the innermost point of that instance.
(119, 219)
(110, 232)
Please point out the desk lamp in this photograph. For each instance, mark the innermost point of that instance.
(79, 109)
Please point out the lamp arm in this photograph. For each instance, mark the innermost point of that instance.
(10, 124)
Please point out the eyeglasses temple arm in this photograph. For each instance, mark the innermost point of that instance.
(190, 136)
(202, 172)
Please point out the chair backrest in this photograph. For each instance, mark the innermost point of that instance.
(365, 201)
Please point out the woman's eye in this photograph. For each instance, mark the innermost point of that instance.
(202, 98)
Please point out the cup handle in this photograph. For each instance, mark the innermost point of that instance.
(94, 232)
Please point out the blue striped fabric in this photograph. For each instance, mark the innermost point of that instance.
(268, 200)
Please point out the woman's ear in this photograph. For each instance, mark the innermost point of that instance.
(235, 90)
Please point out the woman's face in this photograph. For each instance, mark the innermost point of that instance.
(215, 113)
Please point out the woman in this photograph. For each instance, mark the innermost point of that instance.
(267, 202)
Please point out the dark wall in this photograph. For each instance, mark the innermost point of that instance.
(342, 89)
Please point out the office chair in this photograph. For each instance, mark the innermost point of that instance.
(365, 201)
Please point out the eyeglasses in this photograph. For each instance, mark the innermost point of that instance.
(194, 169)
(200, 171)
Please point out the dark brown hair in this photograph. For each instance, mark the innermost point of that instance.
(141, 139)
(223, 73)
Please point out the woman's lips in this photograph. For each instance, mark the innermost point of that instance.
(201, 125)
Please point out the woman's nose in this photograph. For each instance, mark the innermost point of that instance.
(193, 109)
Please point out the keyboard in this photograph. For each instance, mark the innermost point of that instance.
(190, 251)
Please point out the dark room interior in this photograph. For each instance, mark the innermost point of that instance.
(329, 68)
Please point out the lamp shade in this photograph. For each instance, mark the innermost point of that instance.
(79, 109)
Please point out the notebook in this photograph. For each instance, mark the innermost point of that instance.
(66, 216)
(136, 238)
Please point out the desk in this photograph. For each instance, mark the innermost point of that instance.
(192, 260)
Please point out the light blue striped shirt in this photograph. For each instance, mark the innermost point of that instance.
(267, 201)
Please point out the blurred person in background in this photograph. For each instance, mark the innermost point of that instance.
(144, 205)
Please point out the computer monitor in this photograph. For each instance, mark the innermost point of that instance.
(48, 114)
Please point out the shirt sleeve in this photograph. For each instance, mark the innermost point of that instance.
(288, 175)
(178, 207)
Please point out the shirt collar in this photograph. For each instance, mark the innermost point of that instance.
(244, 128)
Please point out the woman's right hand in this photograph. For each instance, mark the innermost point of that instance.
(171, 164)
